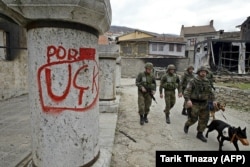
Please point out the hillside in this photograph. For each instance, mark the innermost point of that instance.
(117, 29)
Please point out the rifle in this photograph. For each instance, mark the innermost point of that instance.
(128, 136)
(213, 86)
(150, 93)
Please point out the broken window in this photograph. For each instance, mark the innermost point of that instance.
(205, 48)
(198, 49)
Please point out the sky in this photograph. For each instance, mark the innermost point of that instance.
(167, 16)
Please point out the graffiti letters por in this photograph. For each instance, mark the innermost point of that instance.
(69, 80)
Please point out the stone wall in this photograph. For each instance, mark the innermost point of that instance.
(232, 78)
(13, 76)
(234, 98)
(13, 60)
(130, 67)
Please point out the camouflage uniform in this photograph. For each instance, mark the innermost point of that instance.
(210, 77)
(169, 82)
(187, 76)
(147, 81)
(199, 91)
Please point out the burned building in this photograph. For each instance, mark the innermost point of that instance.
(245, 29)
(223, 56)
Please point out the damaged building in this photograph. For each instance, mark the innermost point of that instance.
(223, 56)
(226, 55)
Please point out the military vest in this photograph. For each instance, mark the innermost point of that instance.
(148, 81)
(169, 82)
(187, 77)
(201, 89)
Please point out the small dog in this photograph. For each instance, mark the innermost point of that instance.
(227, 132)
(220, 106)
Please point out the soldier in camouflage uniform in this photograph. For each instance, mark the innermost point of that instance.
(210, 77)
(169, 82)
(197, 94)
(186, 77)
(145, 81)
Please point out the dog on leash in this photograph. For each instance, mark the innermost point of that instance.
(229, 133)
(220, 106)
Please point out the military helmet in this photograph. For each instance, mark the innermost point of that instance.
(202, 68)
(171, 67)
(149, 65)
(190, 67)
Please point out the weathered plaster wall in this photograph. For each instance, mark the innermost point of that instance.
(13, 76)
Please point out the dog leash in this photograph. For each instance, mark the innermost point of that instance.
(223, 115)
(234, 135)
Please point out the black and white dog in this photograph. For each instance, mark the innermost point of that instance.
(228, 132)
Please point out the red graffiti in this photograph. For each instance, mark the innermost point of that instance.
(49, 85)
(69, 80)
(79, 87)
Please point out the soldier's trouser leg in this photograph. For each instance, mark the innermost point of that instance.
(169, 101)
(198, 112)
(141, 103)
(167, 107)
(189, 110)
(141, 107)
(194, 114)
(202, 123)
(148, 102)
(203, 119)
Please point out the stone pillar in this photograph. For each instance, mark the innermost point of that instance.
(118, 72)
(107, 59)
(107, 77)
(63, 96)
(64, 78)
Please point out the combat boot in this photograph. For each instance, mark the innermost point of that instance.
(184, 112)
(201, 137)
(145, 118)
(167, 119)
(141, 120)
(186, 128)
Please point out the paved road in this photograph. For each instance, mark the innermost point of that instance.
(15, 130)
(157, 135)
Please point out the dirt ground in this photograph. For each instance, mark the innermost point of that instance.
(136, 145)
